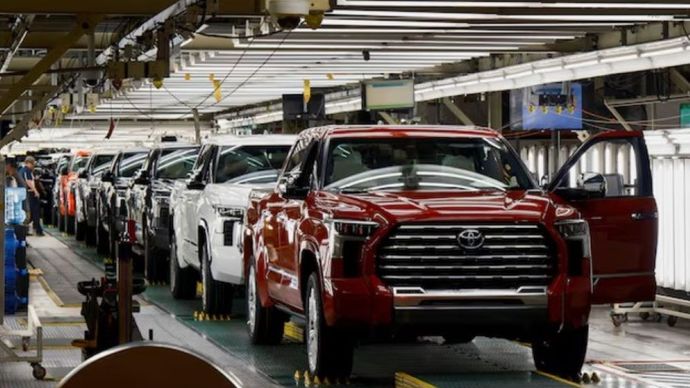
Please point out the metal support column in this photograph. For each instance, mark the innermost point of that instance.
(495, 102)
(85, 24)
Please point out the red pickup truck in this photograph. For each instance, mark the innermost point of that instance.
(422, 230)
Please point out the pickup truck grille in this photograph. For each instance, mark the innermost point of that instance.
(429, 256)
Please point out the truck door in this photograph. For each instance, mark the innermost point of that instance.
(608, 179)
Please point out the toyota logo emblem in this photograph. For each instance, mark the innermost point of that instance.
(471, 239)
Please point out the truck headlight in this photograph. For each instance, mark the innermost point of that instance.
(577, 241)
(572, 228)
(351, 228)
(347, 238)
(230, 212)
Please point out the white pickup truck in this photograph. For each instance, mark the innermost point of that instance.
(207, 213)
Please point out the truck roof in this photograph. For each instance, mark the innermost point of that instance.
(404, 130)
(252, 140)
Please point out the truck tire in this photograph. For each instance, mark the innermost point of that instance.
(90, 234)
(217, 296)
(70, 224)
(102, 241)
(79, 229)
(330, 352)
(265, 325)
(182, 280)
(561, 354)
(60, 222)
(157, 269)
(112, 238)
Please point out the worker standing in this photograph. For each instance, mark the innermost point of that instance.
(33, 195)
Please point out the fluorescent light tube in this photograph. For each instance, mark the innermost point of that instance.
(668, 51)
(619, 58)
(577, 65)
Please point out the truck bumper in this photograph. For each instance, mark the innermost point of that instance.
(369, 304)
(227, 263)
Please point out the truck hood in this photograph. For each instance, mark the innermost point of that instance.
(162, 186)
(529, 206)
(228, 194)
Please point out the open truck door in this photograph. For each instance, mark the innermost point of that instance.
(621, 212)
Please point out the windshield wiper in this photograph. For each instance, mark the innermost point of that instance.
(353, 191)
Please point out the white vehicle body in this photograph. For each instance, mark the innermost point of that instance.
(212, 213)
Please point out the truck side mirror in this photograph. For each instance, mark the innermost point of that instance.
(293, 187)
(82, 173)
(592, 183)
(194, 182)
(108, 177)
(142, 178)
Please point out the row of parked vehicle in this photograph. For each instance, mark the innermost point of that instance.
(380, 232)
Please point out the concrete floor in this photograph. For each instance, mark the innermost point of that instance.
(637, 354)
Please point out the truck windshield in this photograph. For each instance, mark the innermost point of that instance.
(101, 163)
(131, 163)
(467, 164)
(79, 162)
(250, 164)
(176, 163)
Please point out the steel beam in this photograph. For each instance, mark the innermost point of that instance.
(84, 25)
(22, 127)
(679, 80)
(388, 118)
(19, 32)
(456, 111)
(118, 7)
(618, 116)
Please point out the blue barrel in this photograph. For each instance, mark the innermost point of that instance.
(11, 303)
(11, 244)
(14, 211)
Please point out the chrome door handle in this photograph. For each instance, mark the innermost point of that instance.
(644, 216)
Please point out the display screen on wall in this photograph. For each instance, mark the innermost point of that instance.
(388, 95)
(553, 106)
(685, 115)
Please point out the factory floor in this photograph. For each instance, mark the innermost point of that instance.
(636, 354)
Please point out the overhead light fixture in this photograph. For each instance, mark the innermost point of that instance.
(488, 16)
(577, 65)
(547, 69)
(619, 58)
(509, 4)
(492, 79)
(519, 74)
(672, 50)
(331, 21)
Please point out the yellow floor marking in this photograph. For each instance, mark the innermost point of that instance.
(559, 379)
(51, 294)
(404, 380)
(293, 332)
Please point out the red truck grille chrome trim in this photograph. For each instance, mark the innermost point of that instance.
(430, 256)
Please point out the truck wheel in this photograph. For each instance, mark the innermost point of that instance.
(330, 353)
(182, 280)
(79, 230)
(264, 324)
(90, 234)
(112, 238)
(102, 241)
(217, 296)
(562, 354)
(70, 221)
(60, 222)
(153, 268)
